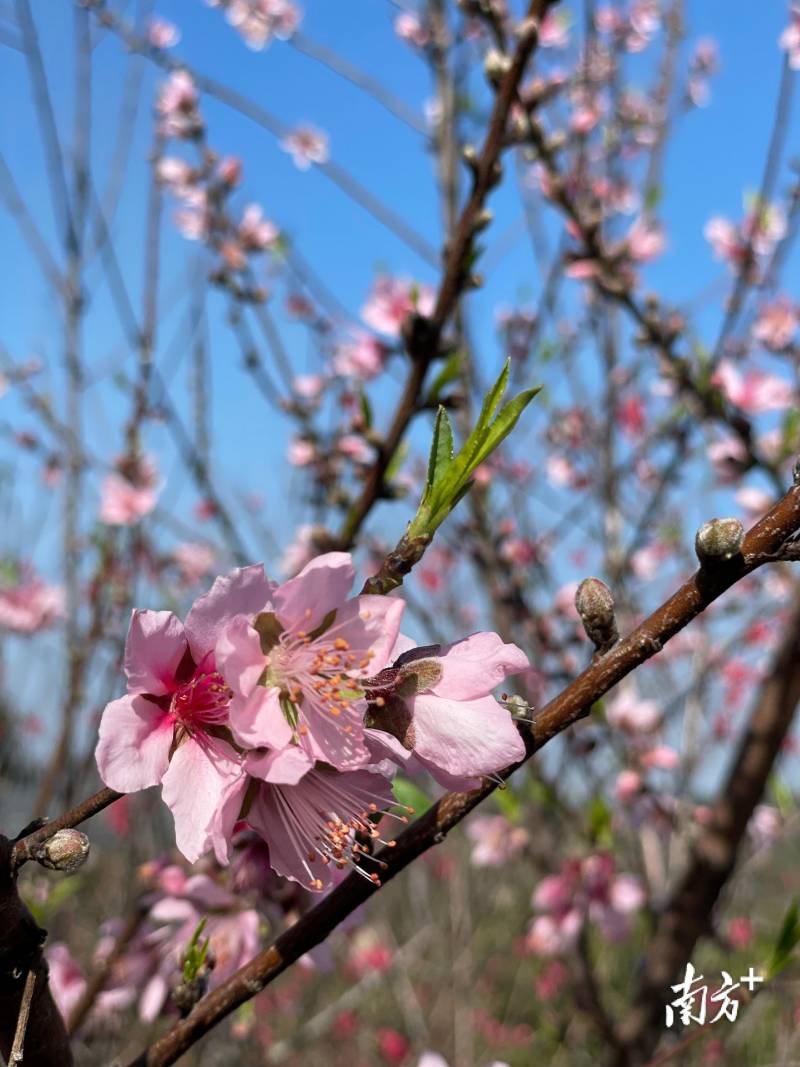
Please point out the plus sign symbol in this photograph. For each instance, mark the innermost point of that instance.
(751, 979)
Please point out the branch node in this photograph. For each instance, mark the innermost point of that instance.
(595, 605)
(719, 541)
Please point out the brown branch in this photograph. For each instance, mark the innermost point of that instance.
(423, 336)
(18, 1048)
(687, 916)
(23, 981)
(432, 827)
(25, 848)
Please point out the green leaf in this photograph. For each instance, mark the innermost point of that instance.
(366, 409)
(783, 796)
(441, 450)
(786, 941)
(397, 461)
(509, 804)
(195, 955)
(652, 199)
(449, 476)
(599, 822)
(410, 795)
(448, 373)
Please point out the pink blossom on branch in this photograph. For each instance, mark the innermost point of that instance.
(391, 300)
(777, 324)
(258, 21)
(28, 604)
(165, 730)
(789, 39)
(130, 493)
(309, 815)
(755, 392)
(411, 29)
(177, 104)
(306, 145)
(296, 669)
(162, 34)
(435, 704)
(587, 890)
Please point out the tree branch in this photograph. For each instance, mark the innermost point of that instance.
(432, 827)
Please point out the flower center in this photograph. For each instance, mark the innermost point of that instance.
(203, 700)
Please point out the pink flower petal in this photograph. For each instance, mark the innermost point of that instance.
(371, 626)
(204, 788)
(320, 587)
(135, 739)
(238, 655)
(244, 591)
(475, 666)
(466, 738)
(257, 721)
(155, 645)
(282, 767)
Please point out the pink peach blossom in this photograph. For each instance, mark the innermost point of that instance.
(306, 145)
(391, 300)
(296, 670)
(628, 711)
(166, 730)
(495, 840)
(789, 39)
(646, 240)
(777, 324)
(309, 816)
(754, 392)
(585, 890)
(28, 604)
(177, 104)
(162, 34)
(410, 28)
(435, 704)
(194, 560)
(363, 357)
(255, 232)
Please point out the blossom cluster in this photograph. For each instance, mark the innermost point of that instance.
(288, 707)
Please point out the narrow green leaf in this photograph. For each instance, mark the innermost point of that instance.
(448, 373)
(503, 425)
(397, 461)
(441, 449)
(410, 795)
(786, 941)
(366, 409)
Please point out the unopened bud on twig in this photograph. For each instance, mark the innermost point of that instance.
(66, 850)
(595, 605)
(496, 65)
(718, 540)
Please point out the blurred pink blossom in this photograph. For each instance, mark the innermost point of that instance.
(162, 34)
(409, 28)
(754, 392)
(28, 604)
(776, 324)
(391, 300)
(789, 39)
(628, 711)
(306, 145)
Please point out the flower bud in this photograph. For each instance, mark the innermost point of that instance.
(718, 540)
(496, 65)
(66, 850)
(595, 605)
